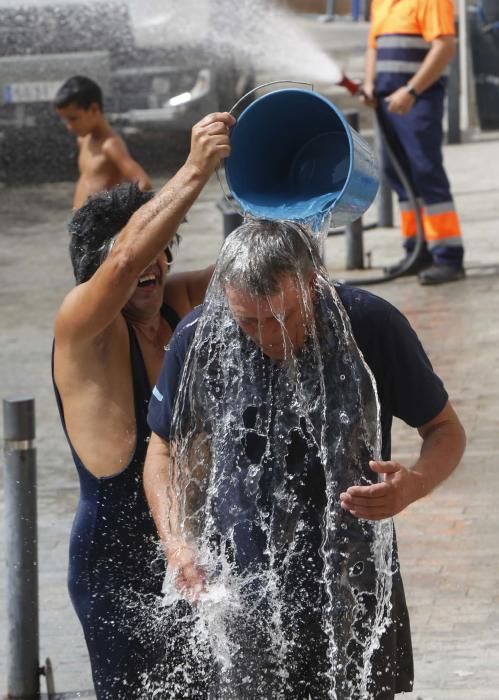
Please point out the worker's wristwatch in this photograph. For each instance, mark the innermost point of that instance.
(412, 91)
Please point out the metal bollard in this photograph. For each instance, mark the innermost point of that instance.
(385, 194)
(23, 679)
(453, 99)
(231, 217)
(356, 9)
(355, 245)
(385, 203)
(354, 231)
(330, 12)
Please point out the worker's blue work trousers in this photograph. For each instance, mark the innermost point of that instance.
(416, 138)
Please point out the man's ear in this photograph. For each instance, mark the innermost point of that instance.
(94, 108)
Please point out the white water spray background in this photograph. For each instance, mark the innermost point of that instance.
(251, 32)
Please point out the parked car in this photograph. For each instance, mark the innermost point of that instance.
(483, 20)
(150, 93)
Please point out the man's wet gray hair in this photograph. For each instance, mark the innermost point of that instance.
(257, 254)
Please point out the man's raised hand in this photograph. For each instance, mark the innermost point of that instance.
(385, 499)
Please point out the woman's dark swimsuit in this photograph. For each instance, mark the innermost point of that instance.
(115, 572)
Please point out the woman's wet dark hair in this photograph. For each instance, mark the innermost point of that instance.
(97, 222)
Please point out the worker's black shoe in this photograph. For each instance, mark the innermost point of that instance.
(423, 261)
(440, 274)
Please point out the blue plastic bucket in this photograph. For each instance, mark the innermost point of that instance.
(294, 156)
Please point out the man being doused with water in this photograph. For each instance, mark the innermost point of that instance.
(270, 478)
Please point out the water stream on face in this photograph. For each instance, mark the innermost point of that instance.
(298, 594)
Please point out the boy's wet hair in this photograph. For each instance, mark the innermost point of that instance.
(80, 91)
(96, 223)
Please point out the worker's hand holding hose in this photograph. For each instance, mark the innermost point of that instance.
(365, 91)
(367, 96)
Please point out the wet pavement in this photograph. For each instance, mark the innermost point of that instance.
(448, 542)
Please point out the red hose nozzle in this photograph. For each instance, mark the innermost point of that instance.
(352, 87)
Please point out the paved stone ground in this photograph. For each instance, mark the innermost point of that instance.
(448, 542)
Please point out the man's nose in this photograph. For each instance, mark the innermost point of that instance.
(270, 334)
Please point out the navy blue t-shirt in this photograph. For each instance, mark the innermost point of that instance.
(407, 386)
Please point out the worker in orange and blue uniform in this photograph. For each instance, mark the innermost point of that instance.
(411, 43)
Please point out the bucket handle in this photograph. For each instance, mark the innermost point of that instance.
(264, 85)
(232, 111)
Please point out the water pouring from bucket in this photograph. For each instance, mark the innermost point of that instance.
(294, 156)
(298, 592)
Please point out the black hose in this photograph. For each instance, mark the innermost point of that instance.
(398, 158)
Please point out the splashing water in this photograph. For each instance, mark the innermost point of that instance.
(299, 591)
(252, 31)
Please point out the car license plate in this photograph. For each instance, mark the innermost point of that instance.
(42, 91)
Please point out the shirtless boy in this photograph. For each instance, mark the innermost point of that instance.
(104, 160)
(110, 337)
